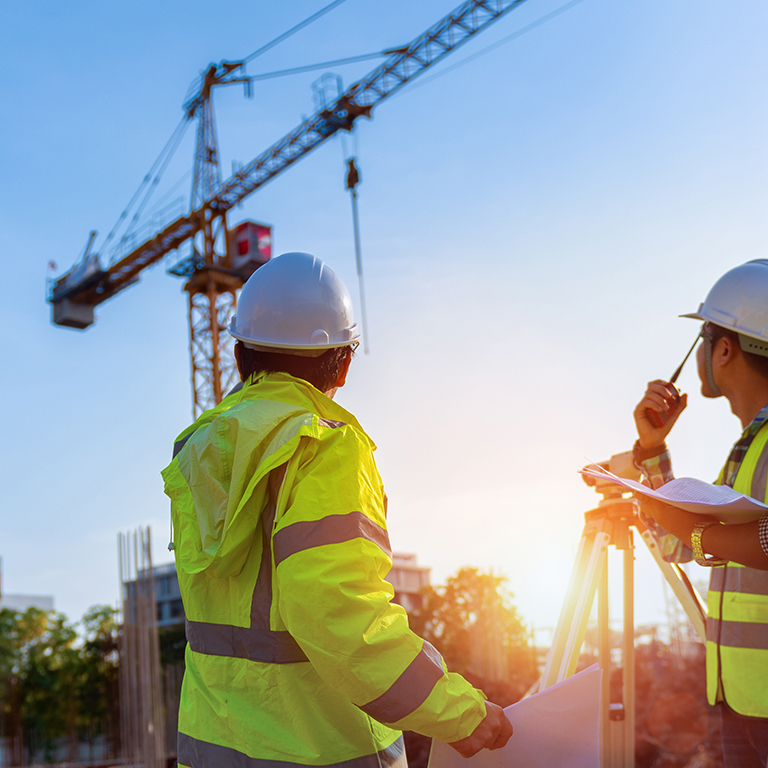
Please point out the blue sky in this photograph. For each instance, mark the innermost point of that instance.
(533, 221)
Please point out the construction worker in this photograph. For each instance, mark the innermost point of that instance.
(733, 363)
(295, 655)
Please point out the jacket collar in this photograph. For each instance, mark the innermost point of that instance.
(284, 388)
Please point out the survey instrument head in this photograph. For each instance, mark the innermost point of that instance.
(620, 464)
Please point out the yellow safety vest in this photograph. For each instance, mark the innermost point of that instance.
(295, 654)
(737, 610)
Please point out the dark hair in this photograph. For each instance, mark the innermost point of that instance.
(321, 372)
(758, 363)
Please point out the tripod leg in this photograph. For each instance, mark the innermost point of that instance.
(628, 655)
(681, 586)
(617, 719)
(604, 660)
(569, 634)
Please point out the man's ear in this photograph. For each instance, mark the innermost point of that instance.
(341, 379)
(727, 351)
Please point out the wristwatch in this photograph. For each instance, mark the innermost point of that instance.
(698, 552)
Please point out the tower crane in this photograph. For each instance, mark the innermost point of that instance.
(214, 271)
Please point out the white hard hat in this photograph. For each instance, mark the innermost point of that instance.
(296, 304)
(738, 301)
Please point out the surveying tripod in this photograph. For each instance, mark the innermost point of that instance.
(611, 523)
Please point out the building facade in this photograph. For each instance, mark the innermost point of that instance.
(169, 608)
(22, 603)
(409, 580)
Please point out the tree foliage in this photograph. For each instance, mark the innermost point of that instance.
(472, 621)
(173, 643)
(56, 681)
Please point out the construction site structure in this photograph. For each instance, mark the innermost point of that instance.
(214, 271)
(142, 709)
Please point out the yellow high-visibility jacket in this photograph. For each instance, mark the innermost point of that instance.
(737, 610)
(295, 654)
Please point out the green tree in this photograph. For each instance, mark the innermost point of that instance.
(50, 678)
(16, 630)
(99, 686)
(173, 643)
(56, 682)
(472, 621)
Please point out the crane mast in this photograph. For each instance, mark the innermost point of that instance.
(212, 285)
(212, 282)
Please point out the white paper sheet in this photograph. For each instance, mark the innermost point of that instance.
(557, 728)
(692, 495)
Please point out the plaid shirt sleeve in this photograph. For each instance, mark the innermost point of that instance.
(657, 468)
(762, 529)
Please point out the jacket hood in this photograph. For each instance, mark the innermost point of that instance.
(217, 482)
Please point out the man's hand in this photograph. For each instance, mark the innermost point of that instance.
(658, 397)
(492, 733)
(674, 520)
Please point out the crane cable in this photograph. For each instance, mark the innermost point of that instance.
(157, 178)
(172, 142)
(183, 179)
(292, 31)
(492, 47)
(352, 179)
(368, 56)
(176, 136)
(196, 86)
(353, 174)
(321, 65)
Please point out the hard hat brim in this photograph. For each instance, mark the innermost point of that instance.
(275, 345)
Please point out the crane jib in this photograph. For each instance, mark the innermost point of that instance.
(398, 69)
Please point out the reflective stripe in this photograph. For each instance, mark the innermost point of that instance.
(234, 389)
(262, 593)
(738, 634)
(180, 443)
(243, 643)
(760, 476)
(197, 753)
(410, 690)
(745, 581)
(333, 529)
(331, 424)
(257, 642)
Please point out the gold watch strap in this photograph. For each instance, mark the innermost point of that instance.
(698, 552)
